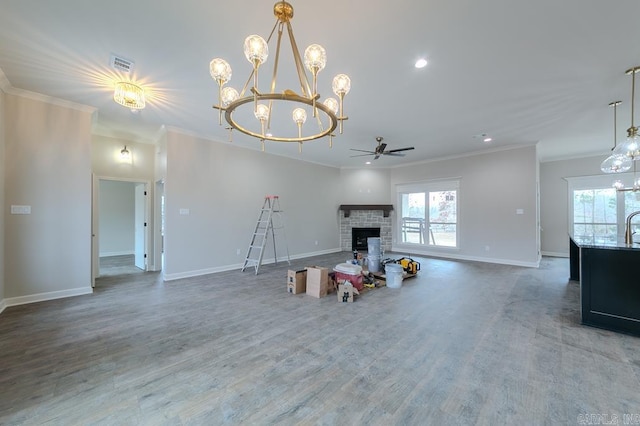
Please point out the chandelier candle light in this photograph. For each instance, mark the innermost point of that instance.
(328, 114)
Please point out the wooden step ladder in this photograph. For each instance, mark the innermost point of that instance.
(270, 210)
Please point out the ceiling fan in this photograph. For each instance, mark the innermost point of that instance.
(380, 150)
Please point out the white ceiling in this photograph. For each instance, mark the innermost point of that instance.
(522, 72)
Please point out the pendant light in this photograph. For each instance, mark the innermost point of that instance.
(615, 163)
(631, 146)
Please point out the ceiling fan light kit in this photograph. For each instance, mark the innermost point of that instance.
(381, 150)
(327, 114)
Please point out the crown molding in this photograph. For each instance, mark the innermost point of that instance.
(6, 87)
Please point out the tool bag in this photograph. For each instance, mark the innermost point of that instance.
(409, 265)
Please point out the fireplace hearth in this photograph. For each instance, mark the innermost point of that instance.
(359, 237)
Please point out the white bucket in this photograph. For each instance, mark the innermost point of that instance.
(373, 246)
(393, 273)
(373, 263)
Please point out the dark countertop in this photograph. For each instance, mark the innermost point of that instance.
(604, 242)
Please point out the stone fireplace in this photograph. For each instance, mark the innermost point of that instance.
(365, 216)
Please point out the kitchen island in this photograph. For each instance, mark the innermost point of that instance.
(609, 275)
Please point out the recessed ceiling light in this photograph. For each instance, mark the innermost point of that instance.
(421, 63)
(368, 162)
(484, 137)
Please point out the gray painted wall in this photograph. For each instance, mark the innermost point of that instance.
(365, 186)
(49, 251)
(2, 198)
(492, 187)
(223, 188)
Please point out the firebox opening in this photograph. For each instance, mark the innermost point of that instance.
(359, 237)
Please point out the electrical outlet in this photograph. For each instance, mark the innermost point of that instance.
(316, 242)
(237, 252)
(487, 248)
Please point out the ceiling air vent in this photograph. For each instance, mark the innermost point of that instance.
(119, 63)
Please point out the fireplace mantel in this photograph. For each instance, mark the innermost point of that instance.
(386, 208)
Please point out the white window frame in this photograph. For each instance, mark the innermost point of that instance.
(604, 181)
(426, 187)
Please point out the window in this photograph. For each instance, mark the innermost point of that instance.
(594, 213)
(598, 211)
(428, 214)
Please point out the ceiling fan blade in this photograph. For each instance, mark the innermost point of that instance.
(362, 150)
(377, 156)
(380, 148)
(400, 149)
(361, 155)
(393, 154)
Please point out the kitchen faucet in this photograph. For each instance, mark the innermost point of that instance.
(628, 235)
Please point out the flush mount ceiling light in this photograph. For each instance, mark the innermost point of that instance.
(327, 115)
(421, 63)
(615, 163)
(129, 95)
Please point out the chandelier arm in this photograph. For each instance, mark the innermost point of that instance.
(275, 69)
(302, 75)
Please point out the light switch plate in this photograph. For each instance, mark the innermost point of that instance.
(184, 211)
(20, 209)
(519, 211)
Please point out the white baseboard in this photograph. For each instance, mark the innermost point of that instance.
(116, 253)
(3, 305)
(471, 258)
(41, 297)
(195, 273)
(554, 254)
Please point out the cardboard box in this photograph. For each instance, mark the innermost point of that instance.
(346, 293)
(332, 286)
(296, 281)
(317, 281)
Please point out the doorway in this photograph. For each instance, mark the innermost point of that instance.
(121, 231)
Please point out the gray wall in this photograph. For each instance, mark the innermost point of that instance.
(492, 187)
(223, 188)
(116, 220)
(365, 186)
(2, 184)
(554, 201)
(50, 170)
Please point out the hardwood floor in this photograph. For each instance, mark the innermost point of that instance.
(462, 343)
(118, 265)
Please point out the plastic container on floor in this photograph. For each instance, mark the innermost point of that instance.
(373, 246)
(351, 273)
(393, 274)
(373, 263)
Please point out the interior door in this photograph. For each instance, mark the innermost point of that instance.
(140, 225)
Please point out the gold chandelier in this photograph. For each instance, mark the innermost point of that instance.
(257, 121)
